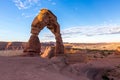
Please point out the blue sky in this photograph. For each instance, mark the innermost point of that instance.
(80, 20)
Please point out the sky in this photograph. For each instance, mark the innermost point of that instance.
(83, 21)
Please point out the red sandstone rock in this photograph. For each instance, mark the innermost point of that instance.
(43, 19)
(49, 52)
(14, 46)
(118, 51)
(33, 46)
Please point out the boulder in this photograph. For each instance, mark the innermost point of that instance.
(117, 51)
(49, 52)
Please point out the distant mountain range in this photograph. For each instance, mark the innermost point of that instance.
(21, 45)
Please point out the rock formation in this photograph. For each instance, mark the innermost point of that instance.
(14, 45)
(48, 53)
(43, 19)
(9, 44)
(118, 50)
(33, 46)
(3, 45)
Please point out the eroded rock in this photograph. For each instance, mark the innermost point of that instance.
(33, 46)
(49, 52)
(43, 19)
(118, 51)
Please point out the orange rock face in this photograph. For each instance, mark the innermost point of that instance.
(118, 51)
(48, 53)
(45, 18)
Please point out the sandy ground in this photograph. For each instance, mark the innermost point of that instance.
(36, 68)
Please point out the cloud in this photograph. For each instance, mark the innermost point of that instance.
(106, 29)
(53, 3)
(49, 36)
(24, 4)
(93, 30)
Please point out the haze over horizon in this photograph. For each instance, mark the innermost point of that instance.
(85, 21)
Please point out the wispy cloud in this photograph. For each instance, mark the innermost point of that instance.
(106, 29)
(49, 36)
(30, 4)
(24, 4)
(53, 3)
(93, 30)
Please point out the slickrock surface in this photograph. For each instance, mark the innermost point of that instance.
(36, 68)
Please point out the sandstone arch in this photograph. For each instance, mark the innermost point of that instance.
(44, 19)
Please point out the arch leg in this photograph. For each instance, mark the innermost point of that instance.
(33, 46)
(59, 49)
(55, 29)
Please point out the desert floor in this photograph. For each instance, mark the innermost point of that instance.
(36, 68)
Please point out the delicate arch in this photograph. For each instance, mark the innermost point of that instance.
(44, 18)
